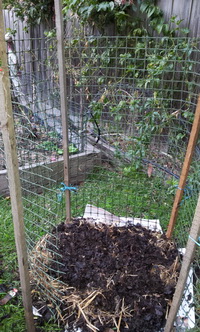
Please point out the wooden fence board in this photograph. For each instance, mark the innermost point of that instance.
(167, 7)
(188, 10)
(194, 24)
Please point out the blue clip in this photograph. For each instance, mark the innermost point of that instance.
(198, 243)
(64, 188)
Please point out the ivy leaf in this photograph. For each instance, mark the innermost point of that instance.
(144, 6)
(134, 8)
(103, 6)
(121, 14)
(32, 11)
(151, 11)
(185, 30)
(112, 5)
(86, 11)
(165, 28)
(159, 27)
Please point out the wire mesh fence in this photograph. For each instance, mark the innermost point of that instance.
(131, 104)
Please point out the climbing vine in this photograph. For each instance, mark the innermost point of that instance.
(130, 17)
(151, 66)
(33, 12)
(149, 75)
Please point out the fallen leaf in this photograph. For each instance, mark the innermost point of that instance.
(149, 170)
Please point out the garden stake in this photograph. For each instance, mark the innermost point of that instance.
(63, 101)
(8, 133)
(187, 260)
(185, 169)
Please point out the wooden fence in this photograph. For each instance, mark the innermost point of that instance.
(188, 10)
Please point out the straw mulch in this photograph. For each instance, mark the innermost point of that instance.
(108, 278)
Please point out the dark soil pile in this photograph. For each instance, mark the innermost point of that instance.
(121, 278)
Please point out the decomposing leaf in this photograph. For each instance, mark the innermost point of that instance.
(149, 170)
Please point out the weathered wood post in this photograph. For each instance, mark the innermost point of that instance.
(63, 100)
(185, 169)
(187, 260)
(7, 129)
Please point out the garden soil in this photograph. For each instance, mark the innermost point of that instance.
(118, 278)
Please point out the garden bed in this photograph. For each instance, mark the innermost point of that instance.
(36, 176)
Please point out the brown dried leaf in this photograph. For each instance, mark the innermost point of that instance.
(149, 170)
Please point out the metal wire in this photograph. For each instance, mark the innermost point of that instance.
(117, 163)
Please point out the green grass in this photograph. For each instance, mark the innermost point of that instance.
(13, 310)
(12, 313)
(124, 193)
(133, 194)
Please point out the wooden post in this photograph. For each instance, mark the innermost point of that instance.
(7, 129)
(187, 260)
(186, 166)
(63, 99)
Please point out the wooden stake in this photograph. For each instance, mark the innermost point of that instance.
(7, 129)
(187, 260)
(63, 99)
(186, 166)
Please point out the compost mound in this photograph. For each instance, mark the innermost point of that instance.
(117, 278)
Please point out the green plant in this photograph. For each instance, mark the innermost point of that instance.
(128, 17)
(33, 12)
(103, 13)
(49, 146)
(156, 67)
(52, 146)
(11, 314)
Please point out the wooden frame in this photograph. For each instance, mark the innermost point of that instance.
(7, 129)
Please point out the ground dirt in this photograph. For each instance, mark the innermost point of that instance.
(118, 278)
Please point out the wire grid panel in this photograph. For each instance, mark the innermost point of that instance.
(131, 103)
(138, 94)
(136, 110)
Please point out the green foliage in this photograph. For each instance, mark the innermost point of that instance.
(33, 12)
(14, 317)
(128, 17)
(53, 144)
(101, 13)
(11, 314)
(136, 99)
(7, 236)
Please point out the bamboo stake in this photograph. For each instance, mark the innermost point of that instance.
(185, 169)
(7, 129)
(187, 260)
(63, 99)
